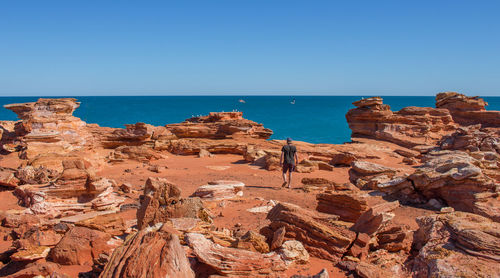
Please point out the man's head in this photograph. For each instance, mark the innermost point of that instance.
(289, 140)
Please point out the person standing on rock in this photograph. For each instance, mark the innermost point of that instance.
(288, 161)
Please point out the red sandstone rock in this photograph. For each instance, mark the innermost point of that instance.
(455, 178)
(51, 126)
(192, 146)
(134, 135)
(360, 246)
(161, 201)
(111, 223)
(17, 220)
(151, 252)
(376, 218)
(39, 175)
(473, 139)
(73, 180)
(253, 241)
(349, 205)
(8, 177)
(139, 153)
(32, 253)
(278, 237)
(394, 238)
(218, 126)
(219, 190)
(368, 174)
(293, 251)
(232, 261)
(468, 110)
(34, 269)
(80, 246)
(319, 235)
(457, 243)
(408, 127)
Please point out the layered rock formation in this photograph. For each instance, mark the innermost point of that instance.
(232, 261)
(219, 126)
(452, 176)
(457, 244)
(468, 110)
(151, 252)
(161, 200)
(320, 236)
(50, 125)
(219, 190)
(408, 127)
(347, 205)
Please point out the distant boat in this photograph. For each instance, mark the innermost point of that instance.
(242, 101)
(293, 101)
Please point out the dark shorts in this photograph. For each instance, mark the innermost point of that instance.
(288, 167)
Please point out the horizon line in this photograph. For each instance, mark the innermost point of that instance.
(237, 95)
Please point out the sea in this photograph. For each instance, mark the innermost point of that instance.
(314, 119)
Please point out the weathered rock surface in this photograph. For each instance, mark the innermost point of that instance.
(318, 232)
(151, 252)
(51, 126)
(38, 175)
(111, 223)
(254, 242)
(375, 218)
(161, 201)
(394, 238)
(38, 268)
(8, 177)
(468, 110)
(483, 144)
(32, 253)
(348, 205)
(219, 190)
(294, 251)
(134, 135)
(457, 244)
(232, 261)
(368, 174)
(408, 127)
(193, 146)
(455, 178)
(80, 246)
(139, 153)
(219, 125)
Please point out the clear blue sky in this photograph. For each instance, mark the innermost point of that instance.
(249, 47)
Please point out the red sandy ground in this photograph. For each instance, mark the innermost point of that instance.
(190, 172)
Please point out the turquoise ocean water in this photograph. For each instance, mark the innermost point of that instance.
(315, 119)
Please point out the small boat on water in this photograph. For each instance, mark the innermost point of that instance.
(293, 101)
(242, 101)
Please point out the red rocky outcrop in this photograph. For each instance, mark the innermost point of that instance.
(348, 205)
(318, 233)
(367, 175)
(219, 125)
(161, 200)
(219, 190)
(51, 126)
(151, 252)
(232, 261)
(80, 246)
(468, 110)
(452, 176)
(408, 127)
(457, 244)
